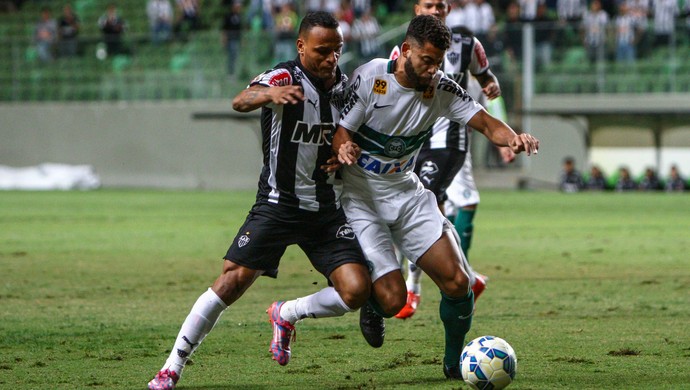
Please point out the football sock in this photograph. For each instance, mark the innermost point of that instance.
(201, 319)
(464, 227)
(456, 314)
(325, 303)
(414, 274)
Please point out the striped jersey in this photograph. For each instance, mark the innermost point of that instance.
(296, 141)
(390, 123)
(466, 53)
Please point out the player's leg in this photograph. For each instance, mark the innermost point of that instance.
(230, 285)
(442, 262)
(333, 249)
(388, 285)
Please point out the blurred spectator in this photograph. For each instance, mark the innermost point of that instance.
(365, 30)
(665, 13)
(594, 26)
(188, 19)
(626, 35)
(479, 18)
(625, 182)
(10, 5)
(68, 31)
(160, 13)
(571, 179)
(569, 13)
(285, 33)
(346, 13)
(650, 181)
(596, 180)
(545, 30)
(342, 16)
(675, 181)
(360, 6)
(528, 9)
(113, 28)
(512, 32)
(45, 36)
(639, 11)
(263, 10)
(232, 34)
(456, 16)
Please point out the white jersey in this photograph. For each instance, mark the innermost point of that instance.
(390, 123)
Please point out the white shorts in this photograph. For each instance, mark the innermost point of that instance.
(463, 190)
(410, 221)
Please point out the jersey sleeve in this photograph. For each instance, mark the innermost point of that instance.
(276, 77)
(353, 114)
(479, 63)
(460, 105)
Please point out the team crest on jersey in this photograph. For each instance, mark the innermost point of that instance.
(453, 57)
(429, 93)
(243, 240)
(380, 87)
(395, 147)
(345, 232)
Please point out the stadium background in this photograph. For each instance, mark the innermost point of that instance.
(160, 116)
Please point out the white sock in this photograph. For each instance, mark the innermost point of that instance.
(201, 319)
(414, 276)
(322, 304)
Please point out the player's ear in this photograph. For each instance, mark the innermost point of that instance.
(300, 46)
(405, 49)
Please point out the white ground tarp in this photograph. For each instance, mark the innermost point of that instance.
(49, 176)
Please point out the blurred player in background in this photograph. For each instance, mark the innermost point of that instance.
(443, 155)
(297, 201)
(391, 107)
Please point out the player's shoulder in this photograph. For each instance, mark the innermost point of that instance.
(449, 88)
(374, 68)
(284, 73)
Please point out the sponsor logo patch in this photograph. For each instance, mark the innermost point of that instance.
(429, 93)
(427, 171)
(380, 87)
(345, 232)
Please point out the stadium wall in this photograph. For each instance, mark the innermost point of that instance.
(206, 145)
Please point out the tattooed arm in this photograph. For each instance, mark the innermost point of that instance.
(259, 95)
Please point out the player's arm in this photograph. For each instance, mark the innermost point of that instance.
(500, 134)
(347, 151)
(259, 95)
(489, 84)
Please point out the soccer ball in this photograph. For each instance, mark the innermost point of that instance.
(488, 363)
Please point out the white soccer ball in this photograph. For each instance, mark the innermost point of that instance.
(488, 363)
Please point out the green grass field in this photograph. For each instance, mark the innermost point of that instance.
(592, 291)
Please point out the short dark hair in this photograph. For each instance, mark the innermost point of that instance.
(317, 18)
(428, 28)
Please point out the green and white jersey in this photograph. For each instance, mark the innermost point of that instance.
(390, 123)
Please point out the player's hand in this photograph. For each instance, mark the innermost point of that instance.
(348, 153)
(332, 165)
(507, 154)
(492, 90)
(524, 143)
(288, 94)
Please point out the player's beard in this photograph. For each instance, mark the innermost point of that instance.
(419, 83)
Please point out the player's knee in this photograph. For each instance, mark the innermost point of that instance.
(355, 293)
(392, 303)
(457, 287)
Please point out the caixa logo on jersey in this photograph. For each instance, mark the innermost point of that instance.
(314, 133)
(345, 232)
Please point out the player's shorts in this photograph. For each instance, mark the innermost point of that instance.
(436, 169)
(410, 221)
(324, 236)
(463, 190)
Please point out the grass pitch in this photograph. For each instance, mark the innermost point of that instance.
(592, 291)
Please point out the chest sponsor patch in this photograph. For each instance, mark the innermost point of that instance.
(429, 93)
(380, 87)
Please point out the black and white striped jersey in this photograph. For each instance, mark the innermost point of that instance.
(296, 141)
(466, 53)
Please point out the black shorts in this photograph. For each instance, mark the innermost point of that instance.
(324, 236)
(436, 169)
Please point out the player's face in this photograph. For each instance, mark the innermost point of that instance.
(438, 8)
(421, 63)
(319, 50)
